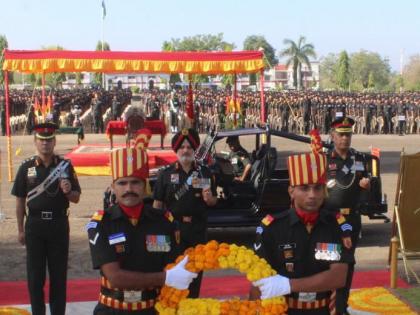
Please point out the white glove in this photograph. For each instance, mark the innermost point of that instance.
(273, 286)
(178, 277)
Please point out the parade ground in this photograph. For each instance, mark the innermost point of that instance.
(371, 255)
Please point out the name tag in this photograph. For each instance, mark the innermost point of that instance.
(235, 161)
(338, 114)
(31, 172)
(401, 117)
(116, 238)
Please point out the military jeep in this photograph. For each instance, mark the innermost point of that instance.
(266, 190)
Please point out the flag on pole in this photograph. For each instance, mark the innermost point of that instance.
(103, 9)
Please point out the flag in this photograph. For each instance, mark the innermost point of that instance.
(49, 104)
(190, 102)
(103, 9)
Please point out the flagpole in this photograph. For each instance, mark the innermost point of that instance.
(102, 38)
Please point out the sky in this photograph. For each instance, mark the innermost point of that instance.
(390, 28)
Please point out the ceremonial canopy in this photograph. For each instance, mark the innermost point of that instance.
(45, 61)
(187, 62)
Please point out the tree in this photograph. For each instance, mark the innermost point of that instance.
(79, 78)
(371, 81)
(256, 42)
(4, 45)
(365, 65)
(174, 77)
(328, 71)
(343, 71)
(97, 77)
(298, 54)
(197, 43)
(411, 74)
(54, 79)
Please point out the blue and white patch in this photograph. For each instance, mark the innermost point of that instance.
(259, 230)
(116, 238)
(359, 166)
(91, 225)
(346, 227)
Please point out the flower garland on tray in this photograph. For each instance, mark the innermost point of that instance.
(213, 256)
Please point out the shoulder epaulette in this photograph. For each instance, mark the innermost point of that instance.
(270, 218)
(98, 215)
(168, 215)
(28, 159)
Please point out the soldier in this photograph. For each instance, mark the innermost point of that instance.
(303, 244)
(116, 108)
(131, 242)
(98, 122)
(2, 115)
(45, 183)
(348, 182)
(174, 110)
(187, 190)
(239, 158)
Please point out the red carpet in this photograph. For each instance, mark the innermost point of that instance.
(14, 293)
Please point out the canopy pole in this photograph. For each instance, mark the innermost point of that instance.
(235, 99)
(8, 131)
(262, 95)
(43, 90)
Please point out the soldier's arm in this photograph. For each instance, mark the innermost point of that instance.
(158, 192)
(20, 216)
(245, 174)
(74, 194)
(331, 279)
(124, 279)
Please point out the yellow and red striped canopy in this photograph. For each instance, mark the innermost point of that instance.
(38, 61)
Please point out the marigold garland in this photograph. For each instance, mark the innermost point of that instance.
(212, 256)
(378, 300)
(13, 311)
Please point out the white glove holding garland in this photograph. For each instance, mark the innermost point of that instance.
(178, 277)
(273, 286)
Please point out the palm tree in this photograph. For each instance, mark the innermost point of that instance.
(298, 54)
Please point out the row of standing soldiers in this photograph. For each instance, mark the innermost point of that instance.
(297, 112)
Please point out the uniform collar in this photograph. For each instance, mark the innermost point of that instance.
(178, 166)
(39, 162)
(294, 219)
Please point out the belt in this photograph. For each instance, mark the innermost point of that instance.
(48, 214)
(126, 295)
(121, 305)
(300, 305)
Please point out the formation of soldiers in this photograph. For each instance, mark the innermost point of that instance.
(297, 112)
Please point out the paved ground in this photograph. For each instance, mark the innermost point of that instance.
(372, 253)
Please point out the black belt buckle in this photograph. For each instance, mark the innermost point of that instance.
(46, 215)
